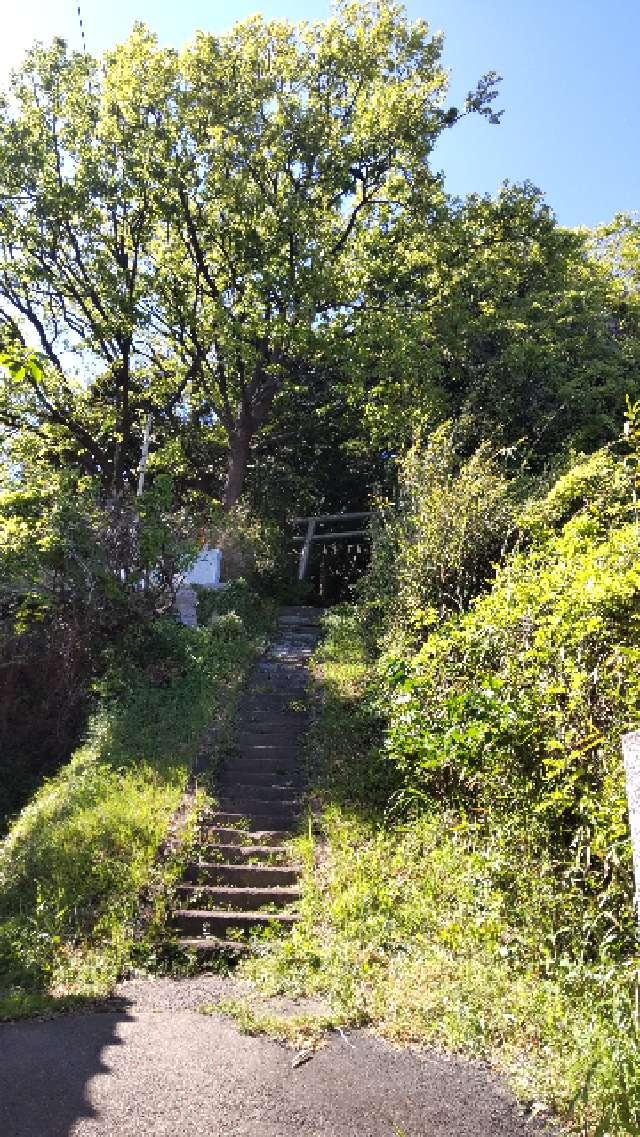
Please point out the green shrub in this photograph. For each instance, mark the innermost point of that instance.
(436, 551)
(519, 704)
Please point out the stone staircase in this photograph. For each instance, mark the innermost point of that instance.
(242, 880)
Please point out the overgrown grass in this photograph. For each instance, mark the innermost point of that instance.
(439, 930)
(302, 1031)
(78, 855)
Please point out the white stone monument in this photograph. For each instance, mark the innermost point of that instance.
(631, 753)
(205, 570)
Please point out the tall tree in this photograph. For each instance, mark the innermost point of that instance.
(502, 319)
(291, 141)
(80, 179)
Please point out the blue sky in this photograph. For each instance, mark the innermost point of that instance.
(570, 82)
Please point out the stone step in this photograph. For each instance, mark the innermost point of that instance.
(248, 805)
(291, 670)
(268, 772)
(258, 781)
(209, 947)
(213, 835)
(286, 688)
(255, 701)
(266, 791)
(266, 754)
(295, 643)
(217, 922)
(236, 897)
(287, 766)
(298, 654)
(267, 745)
(246, 855)
(300, 613)
(270, 816)
(224, 818)
(242, 875)
(293, 726)
(293, 629)
(272, 773)
(285, 824)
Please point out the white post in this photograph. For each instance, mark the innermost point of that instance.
(631, 753)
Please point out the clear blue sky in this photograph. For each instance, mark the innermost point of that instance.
(570, 91)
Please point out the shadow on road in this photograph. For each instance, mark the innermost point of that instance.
(45, 1068)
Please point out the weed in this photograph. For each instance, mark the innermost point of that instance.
(305, 1031)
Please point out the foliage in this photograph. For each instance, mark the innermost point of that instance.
(77, 574)
(254, 548)
(519, 704)
(302, 1031)
(436, 549)
(523, 332)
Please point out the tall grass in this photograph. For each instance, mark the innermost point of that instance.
(76, 858)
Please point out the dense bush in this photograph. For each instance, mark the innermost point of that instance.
(435, 550)
(518, 705)
(81, 579)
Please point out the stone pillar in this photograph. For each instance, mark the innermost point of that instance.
(187, 607)
(631, 753)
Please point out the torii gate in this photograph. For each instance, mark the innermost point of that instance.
(339, 535)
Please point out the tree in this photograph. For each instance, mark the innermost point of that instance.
(80, 179)
(189, 226)
(503, 320)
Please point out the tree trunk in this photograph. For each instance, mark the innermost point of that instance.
(239, 450)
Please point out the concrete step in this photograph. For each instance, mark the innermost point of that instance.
(214, 835)
(242, 875)
(279, 826)
(248, 804)
(257, 761)
(254, 781)
(199, 922)
(254, 739)
(224, 818)
(269, 772)
(292, 726)
(210, 947)
(300, 613)
(265, 791)
(233, 897)
(256, 702)
(291, 653)
(246, 855)
(286, 688)
(270, 816)
(268, 752)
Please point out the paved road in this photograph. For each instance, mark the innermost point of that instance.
(172, 1072)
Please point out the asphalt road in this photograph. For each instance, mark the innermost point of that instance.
(155, 1067)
